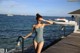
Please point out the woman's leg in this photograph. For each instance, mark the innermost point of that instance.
(35, 45)
(40, 46)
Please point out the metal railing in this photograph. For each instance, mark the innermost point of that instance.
(20, 38)
(64, 31)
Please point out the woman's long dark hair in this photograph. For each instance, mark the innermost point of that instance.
(38, 16)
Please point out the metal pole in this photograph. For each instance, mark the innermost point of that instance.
(22, 42)
(22, 45)
(64, 30)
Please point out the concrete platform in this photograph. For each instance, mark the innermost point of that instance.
(70, 44)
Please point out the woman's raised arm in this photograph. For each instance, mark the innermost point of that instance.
(49, 22)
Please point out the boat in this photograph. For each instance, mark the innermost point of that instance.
(61, 20)
(64, 21)
(9, 14)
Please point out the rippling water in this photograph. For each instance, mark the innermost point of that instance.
(13, 26)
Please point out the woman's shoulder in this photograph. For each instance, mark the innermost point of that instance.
(34, 25)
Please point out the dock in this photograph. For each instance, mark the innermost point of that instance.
(70, 44)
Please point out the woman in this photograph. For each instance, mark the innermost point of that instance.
(38, 28)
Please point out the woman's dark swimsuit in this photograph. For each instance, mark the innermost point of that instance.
(39, 35)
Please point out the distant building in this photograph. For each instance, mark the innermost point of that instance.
(76, 15)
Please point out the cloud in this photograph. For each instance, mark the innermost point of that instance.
(12, 6)
(7, 6)
(3, 0)
(8, 2)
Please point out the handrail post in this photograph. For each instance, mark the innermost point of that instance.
(22, 42)
(64, 30)
(22, 45)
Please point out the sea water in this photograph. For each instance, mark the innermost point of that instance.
(11, 27)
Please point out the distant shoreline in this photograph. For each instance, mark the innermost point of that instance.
(31, 15)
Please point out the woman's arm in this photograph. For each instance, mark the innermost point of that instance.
(29, 33)
(49, 22)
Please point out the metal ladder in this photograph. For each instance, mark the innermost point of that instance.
(20, 37)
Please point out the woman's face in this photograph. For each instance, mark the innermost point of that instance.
(40, 19)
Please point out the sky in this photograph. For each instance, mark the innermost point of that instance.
(44, 7)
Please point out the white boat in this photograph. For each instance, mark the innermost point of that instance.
(9, 14)
(61, 20)
(64, 21)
